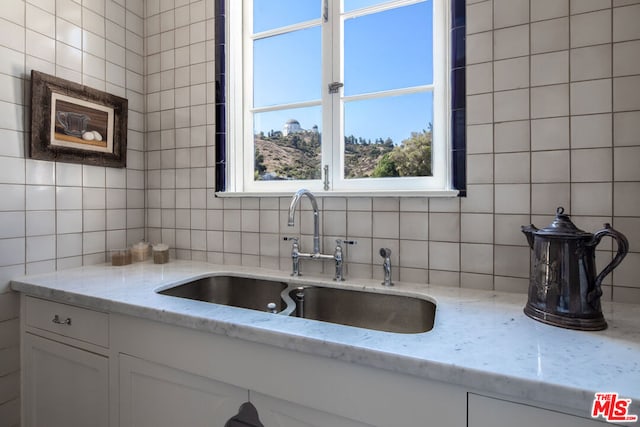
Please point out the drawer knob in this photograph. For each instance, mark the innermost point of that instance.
(56, 319)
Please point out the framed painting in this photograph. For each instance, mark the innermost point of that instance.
(76, 124)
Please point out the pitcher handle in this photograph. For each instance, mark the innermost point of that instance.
(623, 248)
(60, 116)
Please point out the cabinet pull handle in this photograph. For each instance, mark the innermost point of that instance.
(56, 319)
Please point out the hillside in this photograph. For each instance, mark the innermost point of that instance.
(297, 156)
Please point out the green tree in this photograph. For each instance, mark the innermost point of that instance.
(413, 157)
(258, 164)
(386, 167)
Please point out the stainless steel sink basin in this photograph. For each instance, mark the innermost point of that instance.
(382, 312)
(242, 292)
(369, 310)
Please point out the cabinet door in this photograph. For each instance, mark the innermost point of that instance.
(490, 412)
(280, 413)
(153, 395)
(63, 385)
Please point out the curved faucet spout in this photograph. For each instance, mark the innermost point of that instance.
(295, 200)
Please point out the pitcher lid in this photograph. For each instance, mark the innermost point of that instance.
(562, 226)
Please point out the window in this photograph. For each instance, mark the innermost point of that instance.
(337, 95)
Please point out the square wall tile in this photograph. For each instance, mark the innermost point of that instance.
(511, 168)
(479, 17)
(550, 134)
(476, 228)
(548, 9)
(476, 258)
(511, 105)
(479, 109)
(444, 227)
(550, 166)
(413, 225)
(591, 62)
(444, 256)
(40, 223)
(626, 160)
(627, 199)
(512, 198)
(511, 136)
(479, 168)
(507, 13)
(595, 199)
(594, 130)
(549, 36)
(626, 60)
(591, 28)
(550, 101)
(591, 97)
(545, 198)
(507, 229)
(510, 73)
(40, 248)
(550, 68)
(479, 47)
(511, 42)
(414, 253)
(592, 165)
(625, 23)
(626, 93)
(479, 78)
(512, 261)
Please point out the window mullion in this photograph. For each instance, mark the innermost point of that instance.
(336, 109)
(328, 100)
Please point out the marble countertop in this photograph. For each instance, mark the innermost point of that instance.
(481, 340)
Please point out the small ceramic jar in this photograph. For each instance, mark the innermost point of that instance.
(121, 257)
(160, 253)
(141, 251)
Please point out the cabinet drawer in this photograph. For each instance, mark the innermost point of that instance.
(67, 320)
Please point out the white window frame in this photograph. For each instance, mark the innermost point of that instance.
(240, 138)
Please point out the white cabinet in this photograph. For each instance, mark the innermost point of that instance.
(280, 413)
(65, 368)
(489, 412)
(63, 386)
(162, 367)
(154, 395)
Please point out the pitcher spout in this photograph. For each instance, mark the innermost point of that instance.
(528, 231)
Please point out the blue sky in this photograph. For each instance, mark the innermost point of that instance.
(385, 50)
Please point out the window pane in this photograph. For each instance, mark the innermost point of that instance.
(389, 50)
(388, 137)
(350, 5)
(287, 144)
(270, 14)
(287, 68)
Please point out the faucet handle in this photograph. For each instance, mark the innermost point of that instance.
(287, 238)
(385, 252)
(340, 242)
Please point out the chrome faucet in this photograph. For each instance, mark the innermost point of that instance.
(316, 224)
(386, 266)
(296, 254)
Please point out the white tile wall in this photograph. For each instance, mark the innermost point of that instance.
(57, 215)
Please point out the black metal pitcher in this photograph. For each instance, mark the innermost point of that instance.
(564, 288)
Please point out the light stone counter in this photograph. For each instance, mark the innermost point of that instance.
(481, 340)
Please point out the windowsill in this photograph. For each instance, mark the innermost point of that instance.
(387, 193)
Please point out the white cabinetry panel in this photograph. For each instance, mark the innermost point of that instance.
(490, 412)
(64, 386)
(154, 395)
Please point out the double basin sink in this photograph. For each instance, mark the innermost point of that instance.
(369, 310)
